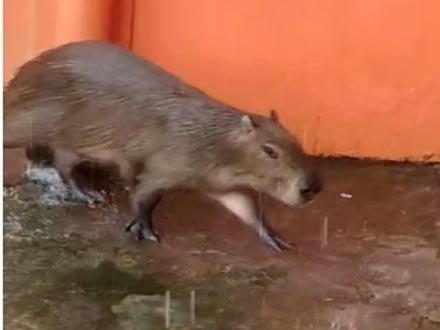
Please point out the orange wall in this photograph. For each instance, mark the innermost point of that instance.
(31, 26)
(349, 77)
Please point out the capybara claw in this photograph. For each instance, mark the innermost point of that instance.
(273, 240)
(142, 231)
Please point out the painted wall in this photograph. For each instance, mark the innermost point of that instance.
(31, 26)
(349, 77)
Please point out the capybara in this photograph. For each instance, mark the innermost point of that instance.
(94, 100)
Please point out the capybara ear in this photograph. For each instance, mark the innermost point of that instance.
(273, 115)
(247, 124)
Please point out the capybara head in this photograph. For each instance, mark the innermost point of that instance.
(277, 164)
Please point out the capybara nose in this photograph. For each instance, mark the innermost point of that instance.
(312, 187)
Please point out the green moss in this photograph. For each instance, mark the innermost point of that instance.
(61, 268)
(106, 282)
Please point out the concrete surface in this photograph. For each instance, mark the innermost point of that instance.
(73, 267)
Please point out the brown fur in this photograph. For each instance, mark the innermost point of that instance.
(92, 100)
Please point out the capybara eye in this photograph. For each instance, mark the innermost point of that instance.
(270, 151)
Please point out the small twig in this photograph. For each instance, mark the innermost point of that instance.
(193, 308)
(324, 233)
(167, 309)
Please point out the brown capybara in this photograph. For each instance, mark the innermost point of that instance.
(97, 101)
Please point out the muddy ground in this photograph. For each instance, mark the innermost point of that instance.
(73, 267)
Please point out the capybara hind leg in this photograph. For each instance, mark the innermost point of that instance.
(243, 207)
(64, 162)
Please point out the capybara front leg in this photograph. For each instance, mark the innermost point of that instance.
(142, 225)
(243, 207)
(270, 237)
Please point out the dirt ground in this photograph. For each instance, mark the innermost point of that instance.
(73, 267)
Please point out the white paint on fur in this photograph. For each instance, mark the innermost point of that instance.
(240, 205)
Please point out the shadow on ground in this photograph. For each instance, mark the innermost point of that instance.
(73, 267)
